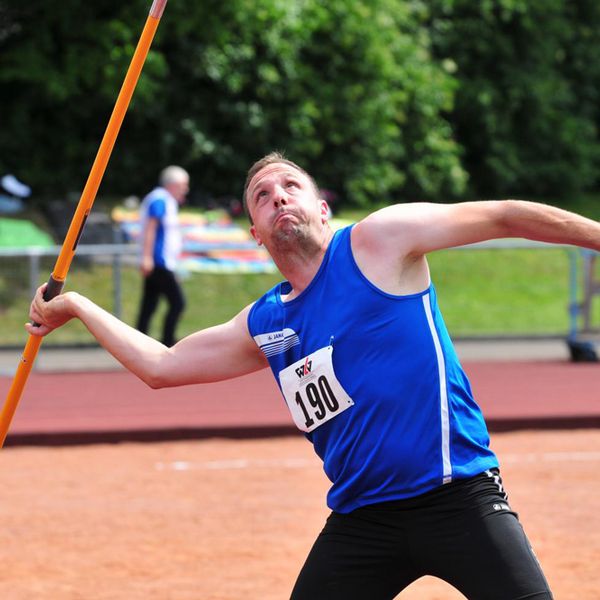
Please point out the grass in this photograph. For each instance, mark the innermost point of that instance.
(503, 292)
(19, 233)
(480, 292)
(211, 299)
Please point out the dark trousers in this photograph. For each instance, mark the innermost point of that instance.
(464, 533)
(161, 282)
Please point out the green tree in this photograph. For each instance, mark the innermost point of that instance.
(347, 88)
(61, 67)
(524, 112)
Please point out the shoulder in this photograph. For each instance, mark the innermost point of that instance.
(266, 310)
(388, 226)
(384, 250)
(156, 202)
(268, 299)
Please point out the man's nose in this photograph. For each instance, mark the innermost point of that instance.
(280, 197)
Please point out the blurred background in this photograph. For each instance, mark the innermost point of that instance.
(383, 101)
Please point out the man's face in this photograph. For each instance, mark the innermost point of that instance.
(283, 203)
(179, 189)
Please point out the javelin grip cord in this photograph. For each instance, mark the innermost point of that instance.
(53, 289)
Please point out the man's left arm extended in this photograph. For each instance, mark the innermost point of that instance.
(420, 228)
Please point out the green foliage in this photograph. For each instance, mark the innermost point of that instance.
(61, 68)
(382, 100)
(503, 292)
(343, 87)
(527, 107)
(481, 292)
(348, 89)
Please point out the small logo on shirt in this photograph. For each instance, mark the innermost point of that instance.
(276, 342)
(501, 507)
(304, 369)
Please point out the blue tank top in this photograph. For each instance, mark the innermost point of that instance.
(411, 424)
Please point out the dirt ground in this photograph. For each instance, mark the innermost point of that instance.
(234, 520)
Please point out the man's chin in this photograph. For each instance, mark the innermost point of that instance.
(288, 232)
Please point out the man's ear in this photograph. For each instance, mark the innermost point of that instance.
(325, 211)
(255, 235)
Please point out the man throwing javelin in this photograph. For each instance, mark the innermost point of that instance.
(358, 346)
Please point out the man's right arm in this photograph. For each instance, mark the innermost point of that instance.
(148, 246)
(213, 354)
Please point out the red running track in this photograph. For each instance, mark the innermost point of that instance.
(115, 406)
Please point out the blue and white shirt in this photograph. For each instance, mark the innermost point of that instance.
(373, 380)
(161, 205)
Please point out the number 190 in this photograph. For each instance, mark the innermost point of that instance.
(321, 399)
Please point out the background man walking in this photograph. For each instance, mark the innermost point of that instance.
(160, 250)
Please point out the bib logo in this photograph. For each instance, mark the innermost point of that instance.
(305, 369)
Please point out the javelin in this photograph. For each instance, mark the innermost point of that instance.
(63, 262)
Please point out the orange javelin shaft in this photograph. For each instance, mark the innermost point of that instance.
(63, 262)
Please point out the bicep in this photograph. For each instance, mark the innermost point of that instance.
(214, 354)
(424, 227)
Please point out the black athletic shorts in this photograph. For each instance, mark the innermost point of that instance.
(464, 533)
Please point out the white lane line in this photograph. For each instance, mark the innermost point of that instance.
(532, 457)
(232, 464)
(303, 463)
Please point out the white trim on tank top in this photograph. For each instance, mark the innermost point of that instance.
(445, 419)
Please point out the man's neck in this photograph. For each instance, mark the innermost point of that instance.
(300, 263)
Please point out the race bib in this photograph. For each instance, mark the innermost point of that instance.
(312, 391)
